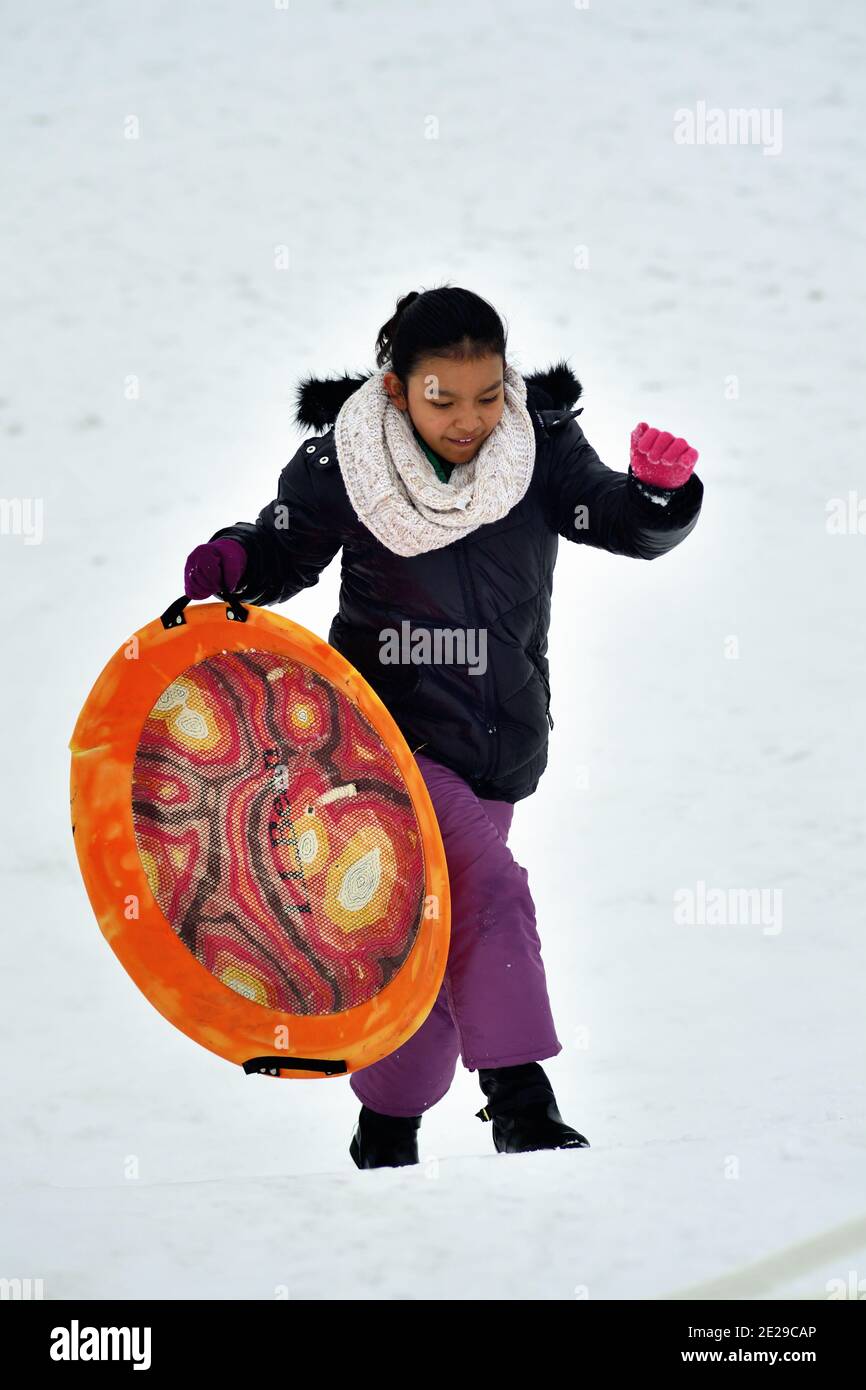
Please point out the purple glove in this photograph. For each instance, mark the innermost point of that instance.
(215, 567)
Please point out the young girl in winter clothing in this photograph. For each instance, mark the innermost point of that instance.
(448, 478)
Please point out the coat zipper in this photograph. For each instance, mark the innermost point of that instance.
(472, 610)
(531, 653)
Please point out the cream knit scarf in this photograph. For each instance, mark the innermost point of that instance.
(393, 488)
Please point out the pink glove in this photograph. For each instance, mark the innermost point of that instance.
(215, 567)
(658, 458)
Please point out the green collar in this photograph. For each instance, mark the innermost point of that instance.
(442, 467)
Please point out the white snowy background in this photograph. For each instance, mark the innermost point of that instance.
(717, 1070)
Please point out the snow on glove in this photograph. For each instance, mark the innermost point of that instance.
(214, 568)
(659, 459)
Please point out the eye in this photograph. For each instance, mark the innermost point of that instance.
(446, 405)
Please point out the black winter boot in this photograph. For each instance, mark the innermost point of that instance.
(385, 1141)
(522, 1107)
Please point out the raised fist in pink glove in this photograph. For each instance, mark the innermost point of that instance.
(658, 458)
(214, 568)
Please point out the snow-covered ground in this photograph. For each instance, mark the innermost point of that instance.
(709, 707)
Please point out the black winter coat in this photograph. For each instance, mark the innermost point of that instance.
(491, 728)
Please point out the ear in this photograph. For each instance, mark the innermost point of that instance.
(394, 386)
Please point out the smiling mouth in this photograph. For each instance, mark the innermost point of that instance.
(462, 442)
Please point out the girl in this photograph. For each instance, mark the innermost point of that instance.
(447, 478)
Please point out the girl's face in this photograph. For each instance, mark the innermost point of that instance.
(454, 406)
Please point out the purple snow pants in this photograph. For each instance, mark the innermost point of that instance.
(492, 1009)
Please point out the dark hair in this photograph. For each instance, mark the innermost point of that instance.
(445, 322)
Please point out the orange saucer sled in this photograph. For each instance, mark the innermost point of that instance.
(258, 843)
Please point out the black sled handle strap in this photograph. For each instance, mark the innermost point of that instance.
(274, 1065)
(173, 615)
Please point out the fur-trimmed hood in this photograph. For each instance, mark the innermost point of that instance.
(318, 399)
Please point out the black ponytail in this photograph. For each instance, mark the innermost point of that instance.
(442, 322)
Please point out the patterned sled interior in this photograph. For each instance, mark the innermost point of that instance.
(277, 834)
